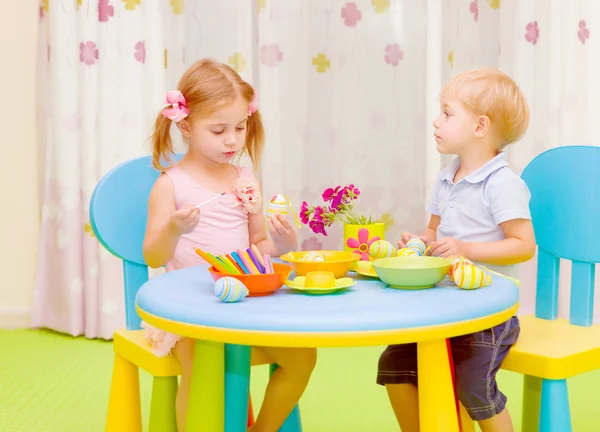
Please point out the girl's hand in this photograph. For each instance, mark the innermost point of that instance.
(184, 220)
(448, 246)
(406, 236)
(282, 234)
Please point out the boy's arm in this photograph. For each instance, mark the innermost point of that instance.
(430, 233)
(517, 247)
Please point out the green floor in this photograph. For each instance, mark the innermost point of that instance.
(56, 383)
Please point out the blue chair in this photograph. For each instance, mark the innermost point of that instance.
(118, 214)
(565, 208)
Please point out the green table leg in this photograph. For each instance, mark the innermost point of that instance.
(207, 393)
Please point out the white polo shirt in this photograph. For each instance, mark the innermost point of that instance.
(472, 209)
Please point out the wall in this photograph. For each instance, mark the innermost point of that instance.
(19, 212)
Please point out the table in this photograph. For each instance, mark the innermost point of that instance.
(368, 314)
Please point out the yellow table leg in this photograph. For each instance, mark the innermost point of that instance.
(437, 409)
(207, 392)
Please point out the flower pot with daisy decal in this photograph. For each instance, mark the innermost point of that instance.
(358, 238)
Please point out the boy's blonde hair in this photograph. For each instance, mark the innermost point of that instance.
(492, 93)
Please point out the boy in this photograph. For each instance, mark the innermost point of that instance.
(480, 210)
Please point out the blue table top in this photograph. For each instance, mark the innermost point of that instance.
(187, 296)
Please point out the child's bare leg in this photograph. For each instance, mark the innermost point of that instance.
(184, 350)
(405, 403)
(499, 423)
(286, 385)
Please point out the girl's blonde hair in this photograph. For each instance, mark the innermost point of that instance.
(494, 94)
(208, 86)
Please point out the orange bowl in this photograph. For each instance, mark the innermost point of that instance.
(258, 284)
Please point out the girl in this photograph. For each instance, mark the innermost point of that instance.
(216, 112)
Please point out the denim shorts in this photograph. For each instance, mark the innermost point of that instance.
(477, 358)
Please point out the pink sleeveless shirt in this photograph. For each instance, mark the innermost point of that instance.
(222, 228)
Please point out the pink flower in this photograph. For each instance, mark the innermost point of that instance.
(329, 193)
(393, 54)
(270, 55)
(474, 8)
(583, 33)
(351, 15)
(312, 243)
(362, 244)
(140, 52)
(317, 227)
(532, 32)
(246, 195)
(88, 53)
(304, 213)
(105, 10)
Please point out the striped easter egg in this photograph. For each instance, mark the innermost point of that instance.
(469, 276)
(278, 204)
(381, 249)
(456, 262)
(417, 245)
(230, 290)
(407, 252)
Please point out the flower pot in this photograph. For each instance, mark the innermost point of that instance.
(358, 238)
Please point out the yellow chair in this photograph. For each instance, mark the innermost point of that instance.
(565, 204)
(118, 211)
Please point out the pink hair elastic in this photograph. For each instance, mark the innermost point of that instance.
(176, 108)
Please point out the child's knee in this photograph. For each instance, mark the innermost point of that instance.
(479, 393)
(305, 360)
(301, 360)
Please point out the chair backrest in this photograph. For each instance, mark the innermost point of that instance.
(565, 208)
(118, 215)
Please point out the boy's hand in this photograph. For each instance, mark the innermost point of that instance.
(447, 246)
(282, 234)
(184, 220)
(406, 236)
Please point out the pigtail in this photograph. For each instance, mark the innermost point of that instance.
(255, 138)
(161, 142)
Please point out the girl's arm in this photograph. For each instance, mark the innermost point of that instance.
(283, 237)
(257, 226)
(162, 234)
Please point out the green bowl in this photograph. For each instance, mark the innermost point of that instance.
(412, 272)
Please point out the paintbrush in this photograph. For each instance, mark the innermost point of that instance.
(209, 200)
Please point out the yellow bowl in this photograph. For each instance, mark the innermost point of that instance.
(337, 262)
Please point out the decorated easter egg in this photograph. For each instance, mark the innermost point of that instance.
(230, 290)
(381, 249)
(407, 252)
(456, 262)
(469, 276)
(278, 204)
(417, 245)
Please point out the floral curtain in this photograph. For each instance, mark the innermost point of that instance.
(347, 91)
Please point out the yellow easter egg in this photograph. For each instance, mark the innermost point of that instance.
(407, 252)
(277, 204)
(381, 249)
(469, 276)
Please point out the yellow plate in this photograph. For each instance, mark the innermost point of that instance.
(299, 284)
(365, 268)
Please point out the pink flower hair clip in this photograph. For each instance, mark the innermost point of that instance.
(175, 106)
(253, 105)
(246, 195)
